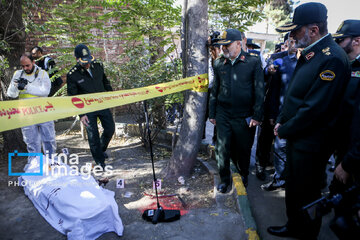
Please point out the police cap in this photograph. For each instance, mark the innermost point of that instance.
(229, 36)
(83, 54)
(348, 28)
(307, 13)
(250, 43)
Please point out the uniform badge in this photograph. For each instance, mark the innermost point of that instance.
(355, 74)
(84, 52)
(326, 51)
(327, 75)
(309, 55)
(339, 28)
(242, 58)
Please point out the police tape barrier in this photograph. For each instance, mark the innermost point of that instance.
(20, 113)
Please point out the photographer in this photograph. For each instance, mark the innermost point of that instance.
(33, 82)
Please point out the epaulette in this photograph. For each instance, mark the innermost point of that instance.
(253, 54)
(326, 51)
(98, 62)
(72, 70)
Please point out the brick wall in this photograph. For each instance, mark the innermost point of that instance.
(111, 49)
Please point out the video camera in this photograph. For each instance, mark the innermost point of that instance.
(347, 209)
(22, 82)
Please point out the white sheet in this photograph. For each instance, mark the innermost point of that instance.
(75, 206)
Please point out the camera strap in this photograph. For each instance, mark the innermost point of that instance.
(35, 75)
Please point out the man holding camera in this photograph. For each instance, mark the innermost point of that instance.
(88, 76)
(33, 82)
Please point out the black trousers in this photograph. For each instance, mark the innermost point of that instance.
(304, 173)
(264, 143)
(234, 141)
(98, 145)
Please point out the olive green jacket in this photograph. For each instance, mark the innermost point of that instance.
(239, 88)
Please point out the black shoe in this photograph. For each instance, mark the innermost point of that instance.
(284, 231)
(245, 180)
(273, 185)
(281, 231)
(222, 187)
(260, 173)
(105, 155)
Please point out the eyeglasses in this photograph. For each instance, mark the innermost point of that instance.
(340, 40)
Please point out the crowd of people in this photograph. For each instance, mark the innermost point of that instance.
(305, 101)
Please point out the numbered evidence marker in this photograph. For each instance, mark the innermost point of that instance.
(120, 183)
(158, 184)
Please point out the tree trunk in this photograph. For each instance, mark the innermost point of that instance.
(195, 61)
(12, 32)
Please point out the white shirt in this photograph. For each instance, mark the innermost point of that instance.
(39, 86)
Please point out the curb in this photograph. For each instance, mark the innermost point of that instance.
(243, 205)
(242, 199)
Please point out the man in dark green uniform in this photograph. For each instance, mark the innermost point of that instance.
(88, 76)
(236, 101)
(348, 37)
(310, 111)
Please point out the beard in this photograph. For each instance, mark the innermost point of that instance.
(304, 41)
(348, 48)
(30, 71)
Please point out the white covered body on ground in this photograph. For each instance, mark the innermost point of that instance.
(74, 205)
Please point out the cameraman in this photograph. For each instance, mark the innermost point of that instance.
(48, 64)
(33, 82)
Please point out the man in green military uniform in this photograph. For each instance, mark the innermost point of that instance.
(88, 76)
(310, 111)
(236, 101)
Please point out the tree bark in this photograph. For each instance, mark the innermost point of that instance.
(12, 32)
(195, 61)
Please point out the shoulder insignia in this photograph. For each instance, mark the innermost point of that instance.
(327, 75)
(309, 55)
(253, 54)
(355, 74)
(326, 51)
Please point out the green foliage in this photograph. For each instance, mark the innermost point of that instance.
(278, 12)
(239, 14)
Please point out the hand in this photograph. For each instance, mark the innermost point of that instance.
(272, 69)
(272, 122)
(254, 123)
(341, 174)
(276, 129)
(84, 119)
(213, 121)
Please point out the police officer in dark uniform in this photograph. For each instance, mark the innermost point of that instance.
(236, 101)
(309, 114)
(348, 37)
(88, 76)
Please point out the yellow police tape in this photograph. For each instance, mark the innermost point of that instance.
(20, 113)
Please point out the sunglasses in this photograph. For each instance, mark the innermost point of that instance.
(339, 40)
